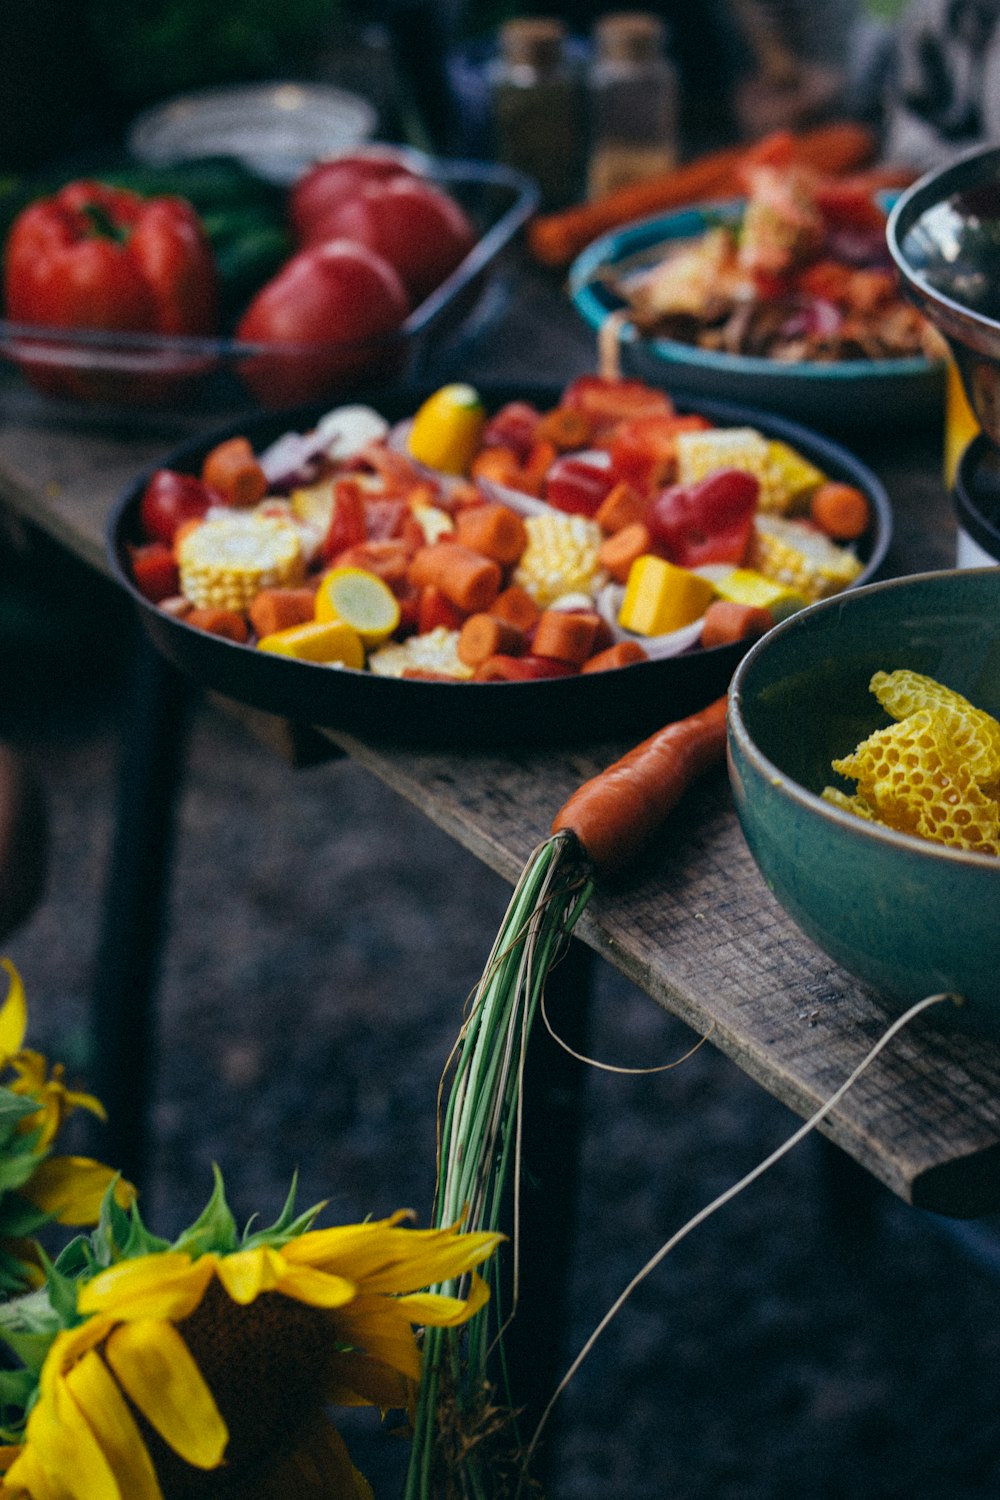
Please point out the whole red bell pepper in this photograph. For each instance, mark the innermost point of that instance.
(93, 256)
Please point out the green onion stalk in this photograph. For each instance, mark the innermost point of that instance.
(465, 1444)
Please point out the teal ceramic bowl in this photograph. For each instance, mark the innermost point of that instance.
(907, 916)
(847, 395)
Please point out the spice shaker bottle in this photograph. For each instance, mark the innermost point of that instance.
(632, 86)
(538, 108)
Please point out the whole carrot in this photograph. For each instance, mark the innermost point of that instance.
(835, 148)
(616, 813)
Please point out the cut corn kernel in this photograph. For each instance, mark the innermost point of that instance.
(324, 641)
(744, 586)
(227, 560)
(702, 453)
(800, 557)
(561, 557)
(791, 479)
(434, 651)
(660, 597)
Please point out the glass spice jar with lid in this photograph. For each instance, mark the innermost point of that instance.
(538, 108)
(632, 87)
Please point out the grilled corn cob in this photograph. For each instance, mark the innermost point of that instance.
(227, 560)
(560, 558)
(801, 558)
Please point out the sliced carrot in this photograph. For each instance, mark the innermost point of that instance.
(494, 530)
(498, 464)
(277, 609)
(232, 469)
(467, 579)
(484, 635)
(622, 506)
(617, 812)
(621, 654)
(389, 560)
(541, 456)
(224, 622)
(566, 634)
(726, 621)
(565, 428)
(841, 510)
(618, 552)
(516, 605)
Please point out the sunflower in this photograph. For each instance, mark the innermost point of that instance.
(204, 1368)
(35, 1185)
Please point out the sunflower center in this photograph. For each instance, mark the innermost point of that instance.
(268, 1366)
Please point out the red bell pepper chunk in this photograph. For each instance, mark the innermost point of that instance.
(578, 482)
(708, 522)
(607, 400)
(644, 451)
(155, 571)
(347, 519)
(433, 609)
(513, 426)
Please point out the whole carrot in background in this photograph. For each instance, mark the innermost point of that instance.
(833, 149)
(616, 813)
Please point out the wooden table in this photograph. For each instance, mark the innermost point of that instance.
(695, 926)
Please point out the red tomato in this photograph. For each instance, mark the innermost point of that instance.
(578, 482)
(347, 519)
(328, 183)
(340, 303)
(415, 226)
(708, 522)
(169, 500)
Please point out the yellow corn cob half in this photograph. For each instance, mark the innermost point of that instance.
(227, 560)
(560, 557)
(801, 558)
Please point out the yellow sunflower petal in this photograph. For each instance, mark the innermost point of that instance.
(165, 1285)
(65, 1448)
(317, 1288)
(376, 1327)
(69, 1346)
(71, 1188)
(248, 1273)
(158, 1373)
(28, 1477)
(383, 1258)
(99, 1398)
(13, 1014)
(360, 1381)
(445, 1312)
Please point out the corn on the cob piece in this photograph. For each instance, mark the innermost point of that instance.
(801, 557)
(791, 479)
(227, 560)
(434, 651)
(560, 558)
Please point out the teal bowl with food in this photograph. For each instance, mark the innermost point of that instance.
(911, 916)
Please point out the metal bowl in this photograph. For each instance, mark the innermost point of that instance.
(944, 236)
(908, 916)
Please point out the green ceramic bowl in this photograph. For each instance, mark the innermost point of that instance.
(909, 917)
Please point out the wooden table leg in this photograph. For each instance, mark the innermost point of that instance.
(154, 731)
(535, 1345)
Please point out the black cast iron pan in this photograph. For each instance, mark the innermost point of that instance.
(632, 701)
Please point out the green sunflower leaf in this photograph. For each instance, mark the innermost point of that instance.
(18, 1217)
(16, 1388)
(13, 1109)
(215, 1227)
(16, 1166)
(61, 1292)
(286, 1226)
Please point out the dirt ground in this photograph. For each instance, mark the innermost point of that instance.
(322, 938)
